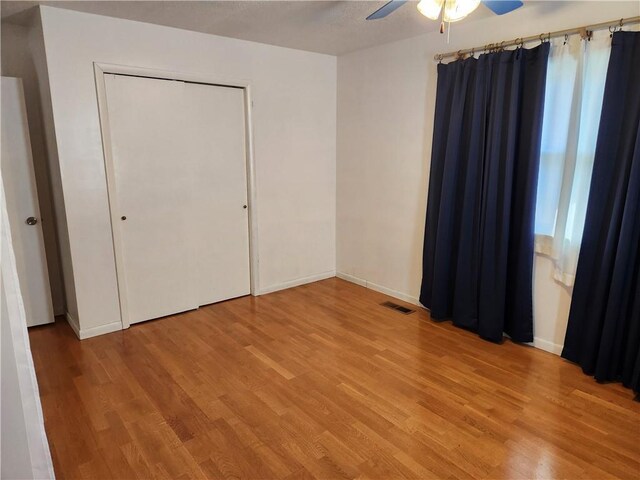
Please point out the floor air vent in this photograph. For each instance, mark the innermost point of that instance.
(399, 308)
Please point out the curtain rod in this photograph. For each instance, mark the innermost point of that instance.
(585, 32)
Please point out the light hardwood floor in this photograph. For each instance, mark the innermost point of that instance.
(320, 381)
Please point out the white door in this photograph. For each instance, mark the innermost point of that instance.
(19, 183)
(151, 203)
(178, 153)
(217, 121)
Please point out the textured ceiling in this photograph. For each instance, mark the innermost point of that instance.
(320, 26)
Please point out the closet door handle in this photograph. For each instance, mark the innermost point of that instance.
(31, 221)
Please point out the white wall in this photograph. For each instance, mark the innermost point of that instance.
(294, 128)
(17, 61)
(386, 98)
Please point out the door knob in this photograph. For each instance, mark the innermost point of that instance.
(31, 221)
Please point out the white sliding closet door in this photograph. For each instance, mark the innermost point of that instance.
(152, 210)
(180, 180)
(222, 229)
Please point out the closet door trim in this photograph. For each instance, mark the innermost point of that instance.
(100, 70)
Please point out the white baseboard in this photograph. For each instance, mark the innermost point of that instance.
(540, 343)
(73, 323)
(393, 293)
(379, 288)
(83, 334)
(352, 279)
(547, 346)
(297, 282)
(115, 326)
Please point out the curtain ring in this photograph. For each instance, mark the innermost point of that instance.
(519, 42)
(440, 58)
(502, 46)
(541, 37)
(612, 29)
(473, 53)
(549, 37)
(566, 39)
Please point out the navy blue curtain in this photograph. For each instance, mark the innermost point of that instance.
(603, 334)
(478, 245)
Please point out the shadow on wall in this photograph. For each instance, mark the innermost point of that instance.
(16, 60)
(429, 109)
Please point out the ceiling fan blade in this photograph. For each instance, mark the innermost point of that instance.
(386, 9)
(500, 7)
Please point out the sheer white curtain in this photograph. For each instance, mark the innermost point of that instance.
(573, 100)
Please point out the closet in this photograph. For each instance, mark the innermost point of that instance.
(177, 192)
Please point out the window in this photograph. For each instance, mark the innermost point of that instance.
(573, 100)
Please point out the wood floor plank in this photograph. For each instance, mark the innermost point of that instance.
(320, 381)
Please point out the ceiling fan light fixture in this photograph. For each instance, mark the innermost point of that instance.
(455, 10)
(430, 8)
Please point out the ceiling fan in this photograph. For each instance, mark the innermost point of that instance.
(451, 10)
